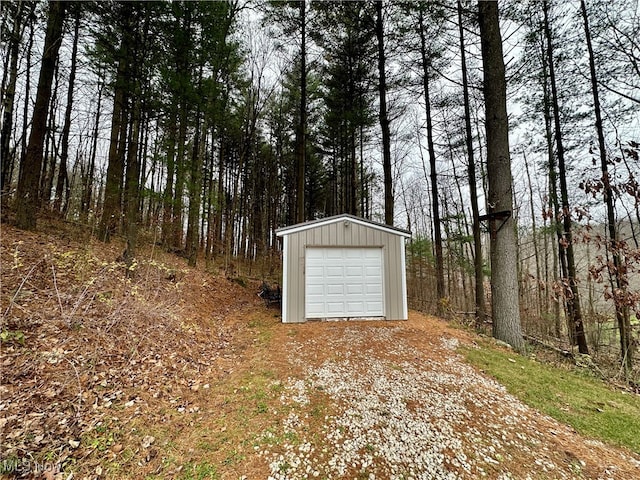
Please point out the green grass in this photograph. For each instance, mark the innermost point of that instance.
(587, 404)
(199, 471)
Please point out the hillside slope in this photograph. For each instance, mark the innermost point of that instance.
(87, 350)
(178, 373)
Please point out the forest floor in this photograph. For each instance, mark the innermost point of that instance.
(175, 372)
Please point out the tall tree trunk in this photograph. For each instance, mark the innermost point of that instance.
(8, 103)
(131, 189)
(221, 198)
(437, 230)
(28, 185)
(573, 296)
(210, 199)
(384, 119)
(25, 111)
(458, 254)
(167, 196)
(132, 193)
(112, 206)
(504, 281)
(473, 190)
(534, 237)
(177, 232)
(302, 127)
(363, 194)
(62, 185)
(353, 173)
(559, 259)
(622, 312)
(195, 192)
(87, 191)
(51, 147)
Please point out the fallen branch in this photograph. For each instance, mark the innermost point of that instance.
(55, 285)
(537, 341)
(15, 295)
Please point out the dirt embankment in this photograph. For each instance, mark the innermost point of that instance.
(89, 352)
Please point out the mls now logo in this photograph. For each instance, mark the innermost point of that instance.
(17, 466)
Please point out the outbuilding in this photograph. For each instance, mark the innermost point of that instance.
(343, 267)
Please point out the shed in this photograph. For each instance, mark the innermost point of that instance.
(343, 267)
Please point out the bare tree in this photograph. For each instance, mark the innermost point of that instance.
(384, 118)
(473, 193)
(618, 271)
(9, 78)
(504, 281)
(61, 199)
(566, 239)
(302, 127)
(433, 174)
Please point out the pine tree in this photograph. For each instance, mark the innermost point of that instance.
(29, 181)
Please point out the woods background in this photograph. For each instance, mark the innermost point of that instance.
(204, 126)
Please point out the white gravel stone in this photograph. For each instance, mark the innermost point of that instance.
(400, 416)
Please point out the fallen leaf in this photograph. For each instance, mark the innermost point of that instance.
(147, 441)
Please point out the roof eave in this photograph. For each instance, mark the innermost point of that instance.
(338, 218)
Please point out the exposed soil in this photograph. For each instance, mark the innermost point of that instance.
(174, 372)
(407, 406)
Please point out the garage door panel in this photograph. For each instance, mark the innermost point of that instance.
(343, 282)
(334, 271)
(333, 253)
(315, 310)
(373, 289)
(354, 271)
(355, 308)
(315, 271)
(373, 271)
(315, 290)
(373, 253)
(353, 253)
(314, 253)
(335, 308)
(375, 306)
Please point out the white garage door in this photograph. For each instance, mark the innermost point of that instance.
(343, 282)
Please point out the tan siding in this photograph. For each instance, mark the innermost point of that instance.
(340, 237)
(296, 302)
(292, 278)
(324, 238)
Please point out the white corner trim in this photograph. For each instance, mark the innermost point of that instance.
(285, 278)
(403, 276)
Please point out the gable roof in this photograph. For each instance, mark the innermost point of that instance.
(340, 218)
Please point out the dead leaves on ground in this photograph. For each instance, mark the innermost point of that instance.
(87, 352)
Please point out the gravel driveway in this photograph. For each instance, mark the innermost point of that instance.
(395, 401)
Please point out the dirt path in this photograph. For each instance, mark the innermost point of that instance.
(395, 400)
